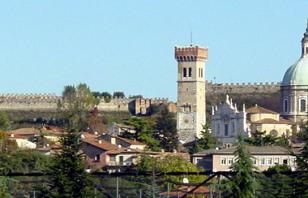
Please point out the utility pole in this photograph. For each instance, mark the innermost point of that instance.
(117, 196)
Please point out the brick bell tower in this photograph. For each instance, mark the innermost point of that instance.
(191, 106)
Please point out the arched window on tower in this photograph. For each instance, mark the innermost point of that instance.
(184, 72)
(189, 72)
(302, 105)
(285, 105)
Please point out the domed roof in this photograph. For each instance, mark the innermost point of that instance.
(297, 74)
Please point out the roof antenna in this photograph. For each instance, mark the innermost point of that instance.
(191, 38)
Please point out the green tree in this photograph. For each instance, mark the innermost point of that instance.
(4, 121)
(77, 102)
(166, 131)
(302, 164)
(259, 138)
(68, 176)
(206, 141)
(144, 133)
(170, 164)
(275, 182)
(118, 94)
(243, 183)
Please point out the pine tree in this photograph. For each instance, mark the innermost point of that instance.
(68, 176)
(243, 183)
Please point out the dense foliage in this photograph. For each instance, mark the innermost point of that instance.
(206, 141)
(259, 138)
(302, 163)
(166, 131)
(170, 164)
(4, 121)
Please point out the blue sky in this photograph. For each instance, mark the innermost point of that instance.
(129, 45)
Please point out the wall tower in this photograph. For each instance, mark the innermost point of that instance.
(191, 108)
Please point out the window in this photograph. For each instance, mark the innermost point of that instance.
(121, 160)
(269, 161)
(223, 160)
(218, 129)
(112, 158)
(262, 161)
(302, 105)
(276, 160)
(184, 72)
(285, 105)
(306, 50)
(232, 127)
(201, 73)
(254, 160)
(285, 161)
(226, 129)
(230, 161)
(189, 72)
(97, 158)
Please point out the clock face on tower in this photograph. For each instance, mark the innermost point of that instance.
(186, 120)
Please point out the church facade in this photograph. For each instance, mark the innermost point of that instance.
(227, 122)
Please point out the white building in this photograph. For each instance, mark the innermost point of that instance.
(228, 122)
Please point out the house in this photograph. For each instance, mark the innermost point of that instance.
(94, 151)
(114, 153)
(263, 158)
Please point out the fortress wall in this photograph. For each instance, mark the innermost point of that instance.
(224, 88)
(49, 102)
(115, 104)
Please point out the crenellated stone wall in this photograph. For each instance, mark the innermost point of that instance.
(42, 102)
(49, 102)
(224, 88)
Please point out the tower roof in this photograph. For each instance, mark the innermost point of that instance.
(191, 53)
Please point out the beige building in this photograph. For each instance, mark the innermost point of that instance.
(191, 91)
(262, 157)
(261, 119)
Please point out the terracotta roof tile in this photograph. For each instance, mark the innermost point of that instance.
(102, 144)
(258, 109)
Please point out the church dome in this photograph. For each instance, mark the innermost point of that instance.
(297, 74)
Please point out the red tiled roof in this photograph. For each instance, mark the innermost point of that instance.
(131, 142)
(102, 144)
(25, 131)
(258, 109)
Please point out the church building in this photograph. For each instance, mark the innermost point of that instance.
(294, 87)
